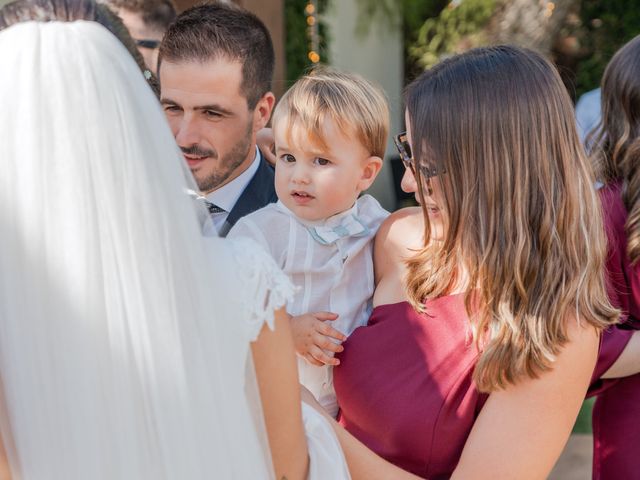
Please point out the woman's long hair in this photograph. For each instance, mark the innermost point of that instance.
(523, 218)
(616, 139)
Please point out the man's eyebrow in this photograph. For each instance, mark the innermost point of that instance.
(214, 107)
(168, 101)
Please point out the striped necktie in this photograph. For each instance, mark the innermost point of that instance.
(213, 208)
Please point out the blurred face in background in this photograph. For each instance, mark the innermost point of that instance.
(147, 38)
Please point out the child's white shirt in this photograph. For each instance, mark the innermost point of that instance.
(335, 277)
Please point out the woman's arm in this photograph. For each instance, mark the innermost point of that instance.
(277, 374)
(522, 430)
(363, 463)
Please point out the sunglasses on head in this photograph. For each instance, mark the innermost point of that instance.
(404, 149)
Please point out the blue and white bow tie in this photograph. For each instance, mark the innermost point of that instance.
(350, 226)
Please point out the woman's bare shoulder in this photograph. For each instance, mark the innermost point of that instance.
(399, 236)
(403, 228)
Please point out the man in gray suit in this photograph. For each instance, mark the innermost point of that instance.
(215, 70)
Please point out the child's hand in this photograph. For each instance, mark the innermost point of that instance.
(312, 336)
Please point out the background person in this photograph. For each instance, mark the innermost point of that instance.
(146, 20)
(616, 156)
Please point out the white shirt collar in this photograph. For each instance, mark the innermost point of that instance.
(226, 196)
(328, 222)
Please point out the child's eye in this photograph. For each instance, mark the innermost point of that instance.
(322, 161)
(288, 158)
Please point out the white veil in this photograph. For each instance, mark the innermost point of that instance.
(120, 353)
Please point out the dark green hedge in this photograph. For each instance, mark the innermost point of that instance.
(607, 26)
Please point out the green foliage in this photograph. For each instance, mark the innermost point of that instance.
(297, 41)
(444, 34)
(406, 14)
(583, 422)
(607, 26)
(415, 12)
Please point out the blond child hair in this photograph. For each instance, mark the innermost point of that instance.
(358, 107)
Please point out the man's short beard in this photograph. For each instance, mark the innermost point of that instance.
(228, 164)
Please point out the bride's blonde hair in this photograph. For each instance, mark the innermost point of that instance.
(522, 213)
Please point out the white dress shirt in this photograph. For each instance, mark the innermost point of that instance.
(588, 113)
(336, 278)
(226, 196)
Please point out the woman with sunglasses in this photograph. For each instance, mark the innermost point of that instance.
(490, 302)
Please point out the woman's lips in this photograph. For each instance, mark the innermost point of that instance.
(432, 209)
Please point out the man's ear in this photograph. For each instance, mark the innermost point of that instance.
(372, 166)
(262, 112)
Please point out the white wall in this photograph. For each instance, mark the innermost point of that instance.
(378, 56)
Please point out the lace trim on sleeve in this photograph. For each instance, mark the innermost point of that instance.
(265, 287)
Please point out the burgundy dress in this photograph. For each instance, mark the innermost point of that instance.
(404, 385)
(616, 414)
(405, 389)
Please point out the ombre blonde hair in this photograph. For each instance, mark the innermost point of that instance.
(523, 218)
(354, 104)
(616, 139)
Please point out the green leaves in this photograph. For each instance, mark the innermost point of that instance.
(457, 28)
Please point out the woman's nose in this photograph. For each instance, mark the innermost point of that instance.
(408, 183)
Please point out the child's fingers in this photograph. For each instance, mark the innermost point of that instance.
(325, 343)
(309, 358)
(321, 356)
(325, 316)
(329, 331)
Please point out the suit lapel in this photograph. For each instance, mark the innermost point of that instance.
(259, 192)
